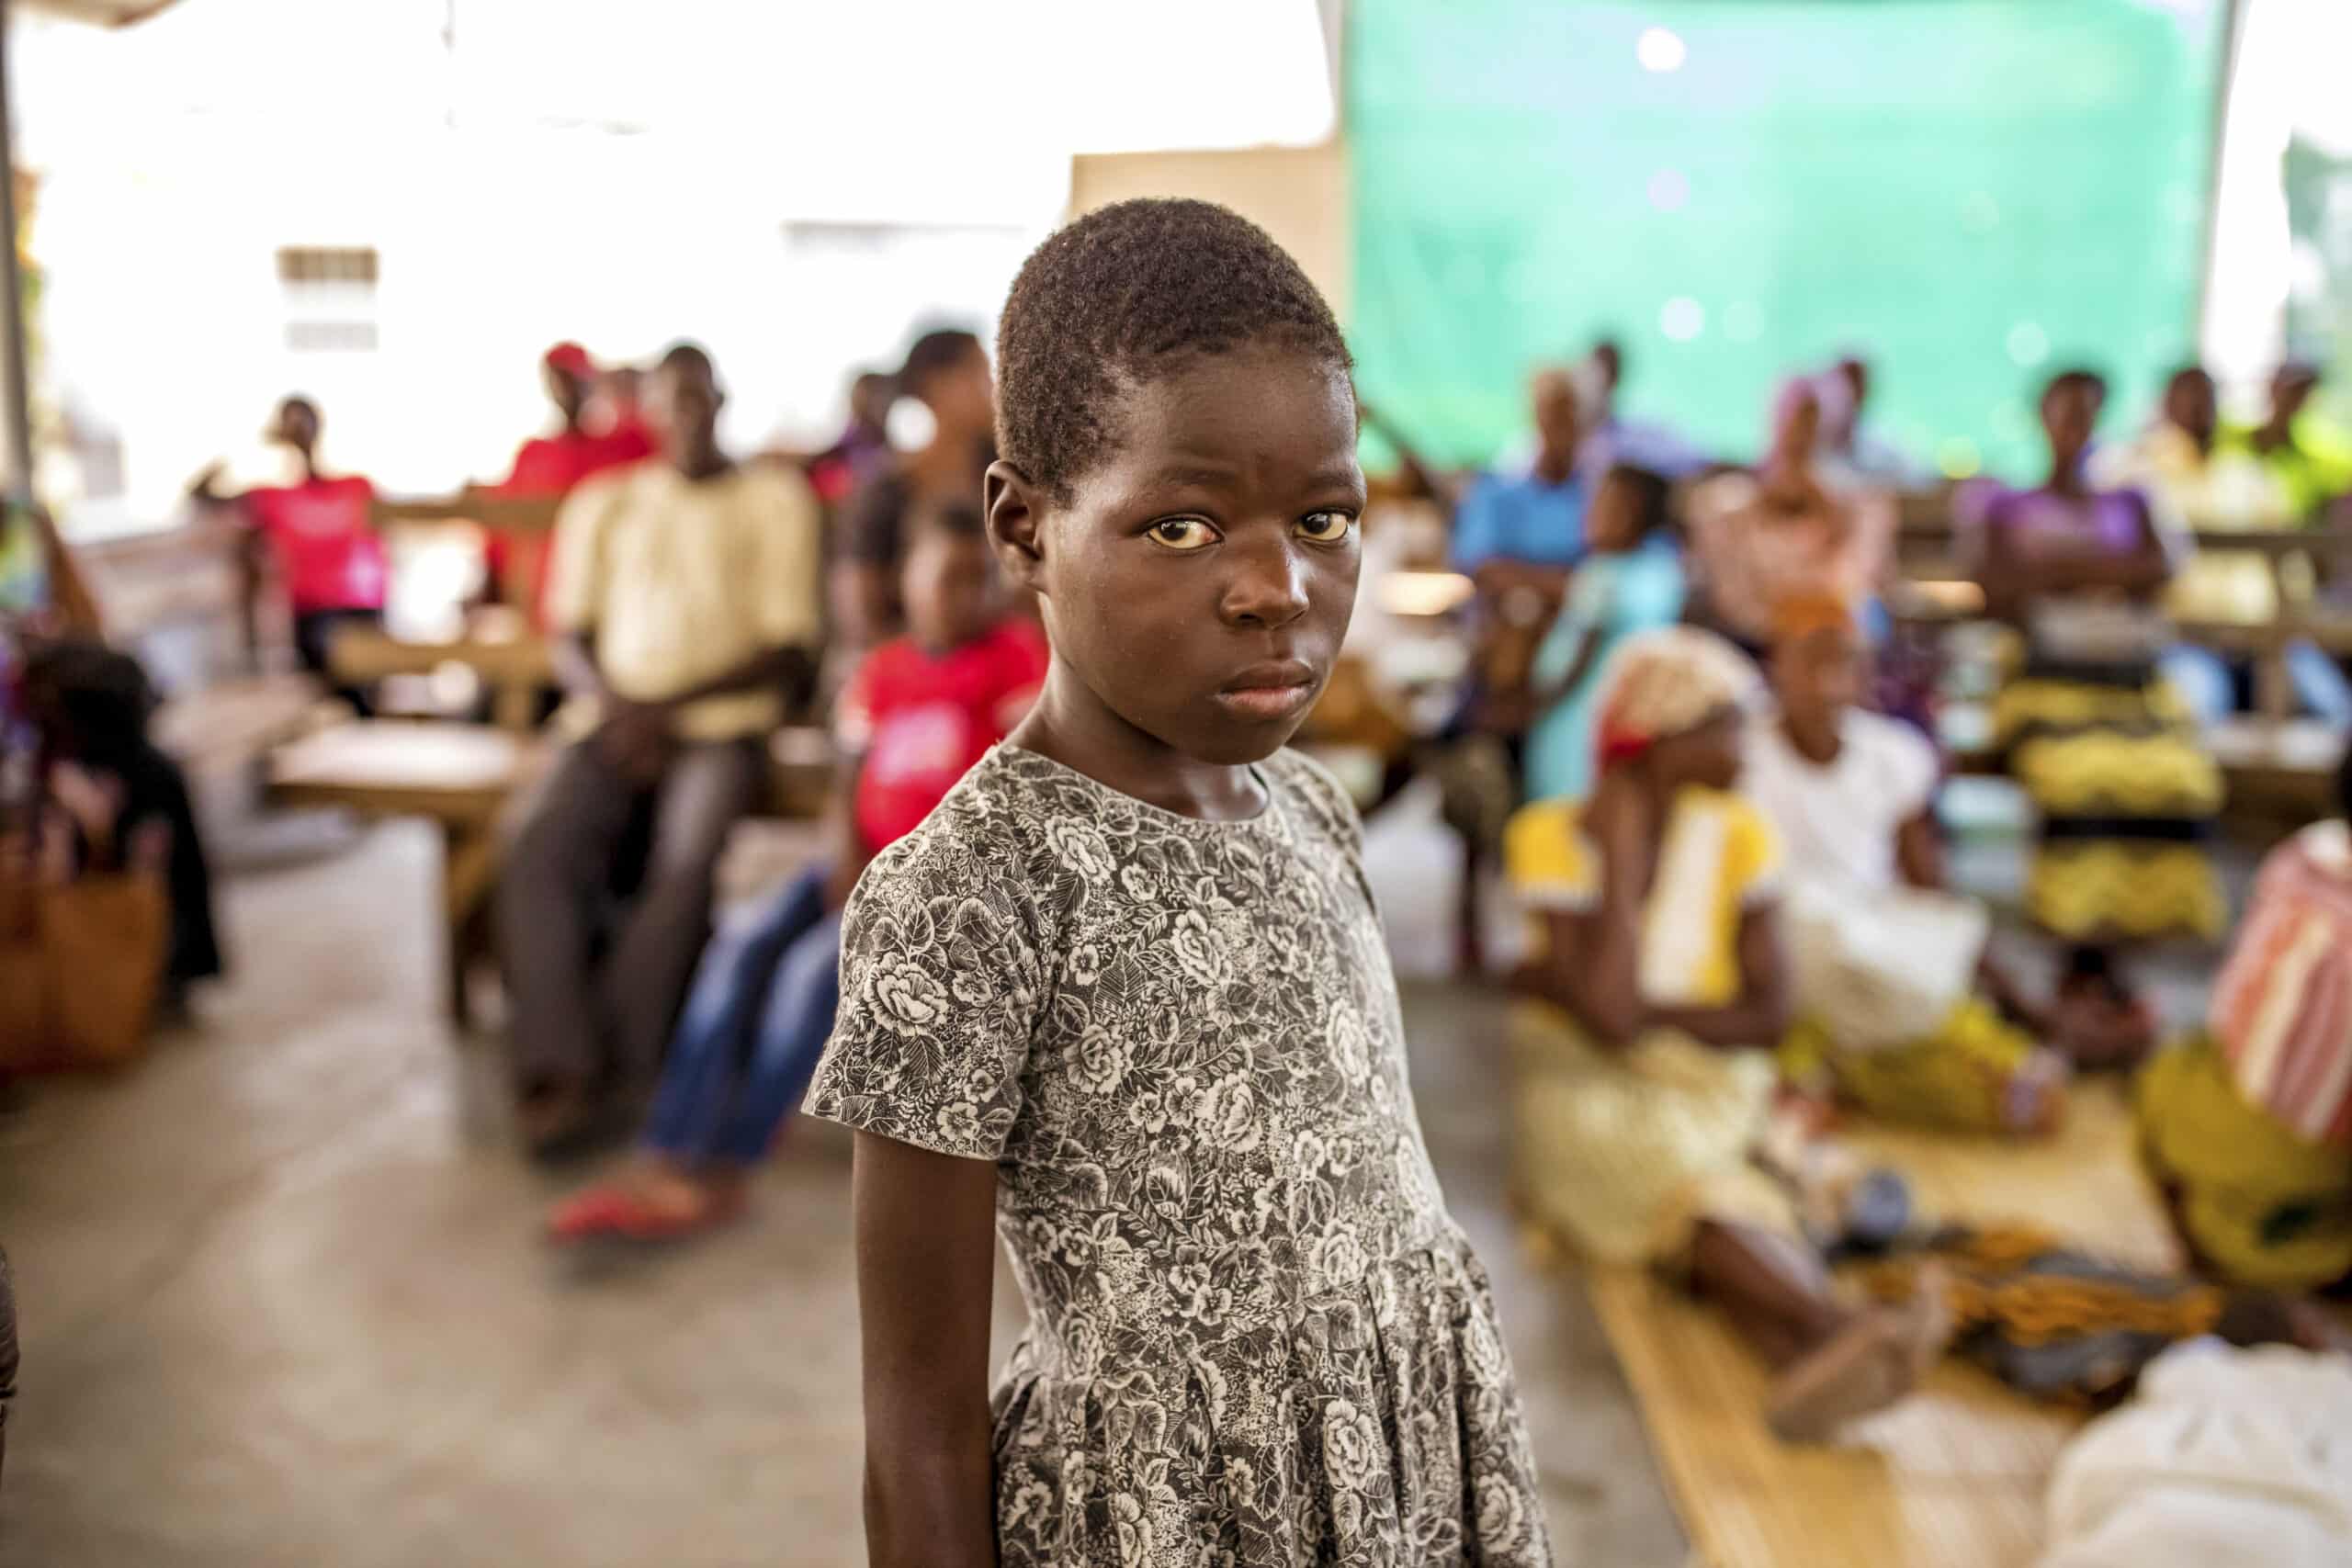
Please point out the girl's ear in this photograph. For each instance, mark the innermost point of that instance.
(1016, 525)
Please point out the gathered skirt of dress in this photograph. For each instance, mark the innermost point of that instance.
(1380, 1430)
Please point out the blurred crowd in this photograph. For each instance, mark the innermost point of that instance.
(1704, 681)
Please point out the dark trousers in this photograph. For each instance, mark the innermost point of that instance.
(314, 638)
(582, 1015)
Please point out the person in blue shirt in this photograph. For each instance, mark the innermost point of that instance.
(1631, 583)
(1533, 517)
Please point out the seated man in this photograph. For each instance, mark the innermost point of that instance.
(921, 710)
(686, 596)
(1530, 521)
(1885, 957)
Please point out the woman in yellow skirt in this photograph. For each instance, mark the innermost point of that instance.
(1643, 1061)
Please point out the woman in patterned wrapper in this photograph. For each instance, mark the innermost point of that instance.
(1125, 992)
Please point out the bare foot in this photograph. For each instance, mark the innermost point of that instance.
(1875, 1359)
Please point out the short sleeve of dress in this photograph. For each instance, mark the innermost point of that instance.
(941, 989)
(1550, 863)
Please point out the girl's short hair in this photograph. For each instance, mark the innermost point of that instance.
(1124, 295)
(1653, 493)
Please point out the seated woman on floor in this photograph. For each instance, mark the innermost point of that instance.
(1643, 1071)
(2249, 1125)
(919, 712)
(1899, 1008)
(2094, 733)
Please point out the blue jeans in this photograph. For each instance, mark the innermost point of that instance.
(755, 1025)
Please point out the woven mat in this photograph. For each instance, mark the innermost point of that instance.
(1953, 1477)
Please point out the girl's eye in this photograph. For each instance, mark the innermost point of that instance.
(1181, 533)
(1327, 527)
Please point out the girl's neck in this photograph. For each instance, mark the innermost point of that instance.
(1820, 747)
(1071, 726)
(2066, 478)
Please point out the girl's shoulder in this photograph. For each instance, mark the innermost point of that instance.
(980, 833)
(1311, 789)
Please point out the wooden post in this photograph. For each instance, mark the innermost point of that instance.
(13, 366)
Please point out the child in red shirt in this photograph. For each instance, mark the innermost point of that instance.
(918, 713)
(322, 534)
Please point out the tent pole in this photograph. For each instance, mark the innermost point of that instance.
(18, 411)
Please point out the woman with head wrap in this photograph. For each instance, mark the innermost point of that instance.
(1758, 539)
(1643, 1064)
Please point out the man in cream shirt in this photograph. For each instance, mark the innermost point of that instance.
(685, 603)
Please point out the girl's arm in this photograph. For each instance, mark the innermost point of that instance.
(926, 1257)
(1591, 965)
(1760, 1015)
(1919, 852)
(1579, 666)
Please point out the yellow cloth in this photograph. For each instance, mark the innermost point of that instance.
(1626, 1151)
(1977, 1073)
(1719, 857)
(679, 580)
(2264, 1207)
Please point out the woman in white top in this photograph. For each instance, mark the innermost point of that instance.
(1897, 1010)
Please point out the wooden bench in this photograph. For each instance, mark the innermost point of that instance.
(1953, 1477)
(463, 777)
(459, 777)
(1936, 588)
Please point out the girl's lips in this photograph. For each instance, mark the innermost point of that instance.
(1268, 701)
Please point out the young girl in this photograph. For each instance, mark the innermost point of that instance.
(1125, 992)
(1630, 582)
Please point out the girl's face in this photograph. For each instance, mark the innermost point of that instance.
(2068, 415)
(1707, 754)
(1611, 524)
(1199, 579)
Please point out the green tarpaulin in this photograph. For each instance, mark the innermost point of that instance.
(1973, 192)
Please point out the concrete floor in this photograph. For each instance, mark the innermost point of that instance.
(284, 1303)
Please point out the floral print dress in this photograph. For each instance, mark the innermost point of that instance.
(1255, 1335)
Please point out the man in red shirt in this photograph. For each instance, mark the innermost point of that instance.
(321, 533)
(551, 465)
(920, 711)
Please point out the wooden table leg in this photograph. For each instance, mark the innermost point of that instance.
(469, 872)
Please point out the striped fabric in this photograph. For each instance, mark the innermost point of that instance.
(2282, 1008)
